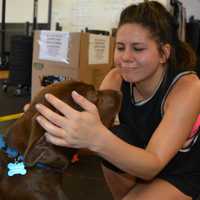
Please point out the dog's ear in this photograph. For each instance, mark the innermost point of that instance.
(51, 155)
(36, 132)
(39, 150)
(109, 104)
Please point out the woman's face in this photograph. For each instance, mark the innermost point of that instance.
(137, 54)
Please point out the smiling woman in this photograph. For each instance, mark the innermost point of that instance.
(147, 58)
(137, 56)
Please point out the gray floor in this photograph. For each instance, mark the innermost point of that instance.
(84, 180)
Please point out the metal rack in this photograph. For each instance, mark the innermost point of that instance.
(4, 55)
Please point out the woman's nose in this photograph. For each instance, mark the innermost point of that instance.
(128, 55)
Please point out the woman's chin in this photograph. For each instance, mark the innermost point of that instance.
(128, 77)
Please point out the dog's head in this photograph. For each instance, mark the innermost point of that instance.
(108, 104)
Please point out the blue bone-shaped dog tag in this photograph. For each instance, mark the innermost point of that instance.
(16, 168)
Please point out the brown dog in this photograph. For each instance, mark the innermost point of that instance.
(27, 136)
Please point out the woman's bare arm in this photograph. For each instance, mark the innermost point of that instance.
(182, 108)
(112, 80)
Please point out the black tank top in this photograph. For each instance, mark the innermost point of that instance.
(138, 122)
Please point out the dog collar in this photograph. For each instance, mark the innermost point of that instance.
(19, 166)
(11, 152)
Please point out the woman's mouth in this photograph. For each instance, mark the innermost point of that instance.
(128, 68)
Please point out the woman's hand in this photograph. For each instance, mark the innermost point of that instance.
(26, 107)
(74, 129)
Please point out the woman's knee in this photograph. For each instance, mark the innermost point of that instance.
(119, 184)
(154, 190)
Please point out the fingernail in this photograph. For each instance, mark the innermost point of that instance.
(38, 118)
(47, 96)
(46, 135)
(75, 93)
(37, 106)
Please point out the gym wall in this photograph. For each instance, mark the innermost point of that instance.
(75, 15)
(21, 11)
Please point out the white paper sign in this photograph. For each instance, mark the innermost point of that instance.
(54, 46)
(98, 49)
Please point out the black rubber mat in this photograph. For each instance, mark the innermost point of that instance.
(84, 180)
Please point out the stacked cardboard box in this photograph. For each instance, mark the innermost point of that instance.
(80, 56)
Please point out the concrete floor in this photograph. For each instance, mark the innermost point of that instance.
(84, 180)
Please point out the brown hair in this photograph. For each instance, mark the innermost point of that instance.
(163, 28)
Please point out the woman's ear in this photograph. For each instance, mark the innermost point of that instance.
(165, 53)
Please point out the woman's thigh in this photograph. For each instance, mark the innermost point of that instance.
(155, 190)
(119, 184)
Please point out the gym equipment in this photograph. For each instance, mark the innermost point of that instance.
(20, 56)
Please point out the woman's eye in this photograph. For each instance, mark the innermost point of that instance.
(134, 49)
(120, 48)
(138, 49)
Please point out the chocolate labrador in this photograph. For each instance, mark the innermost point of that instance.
(40, 165)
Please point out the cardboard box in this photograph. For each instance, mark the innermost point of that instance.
(88, 57)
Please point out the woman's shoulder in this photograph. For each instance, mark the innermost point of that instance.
(112, 80)
(186, 88)
(187, 82)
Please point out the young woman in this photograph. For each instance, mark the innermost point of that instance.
(154, 152)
